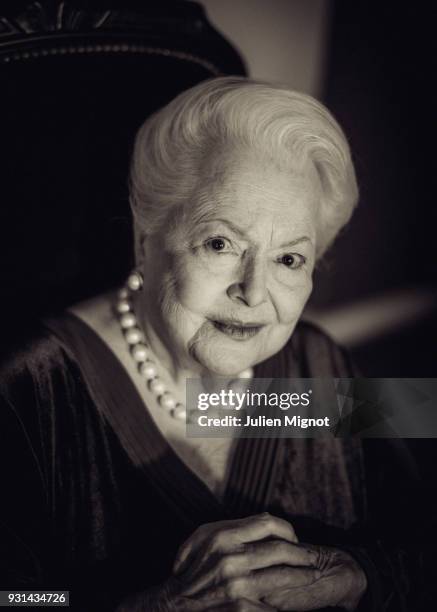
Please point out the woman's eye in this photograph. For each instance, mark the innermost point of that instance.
(292, 260)
(218, 245)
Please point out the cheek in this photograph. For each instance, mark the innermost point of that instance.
(195, 288)
(289, 302)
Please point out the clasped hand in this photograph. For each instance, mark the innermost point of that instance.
(257, 563)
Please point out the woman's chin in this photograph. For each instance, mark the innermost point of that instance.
(218, 363)
(228, 371)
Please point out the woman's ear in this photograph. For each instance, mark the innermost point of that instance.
(140, 239)
(143, 242)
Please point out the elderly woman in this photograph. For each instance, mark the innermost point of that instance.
(237, 188)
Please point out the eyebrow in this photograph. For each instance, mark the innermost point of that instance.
(296, 241)
(241, 233)
(231, 225)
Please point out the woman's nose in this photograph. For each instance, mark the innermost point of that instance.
(252, 286)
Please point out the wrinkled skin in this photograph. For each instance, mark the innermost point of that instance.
(256, 563)
(243, 251)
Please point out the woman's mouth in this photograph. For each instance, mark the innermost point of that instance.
(237, 330)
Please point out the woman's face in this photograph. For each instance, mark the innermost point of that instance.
(225, 288)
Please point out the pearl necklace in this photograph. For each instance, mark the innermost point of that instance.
(141, 354)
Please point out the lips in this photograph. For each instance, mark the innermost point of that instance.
(238, 330)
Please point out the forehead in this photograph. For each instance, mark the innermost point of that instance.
(251, 191)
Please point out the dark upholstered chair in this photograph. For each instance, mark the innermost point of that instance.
(77, 79)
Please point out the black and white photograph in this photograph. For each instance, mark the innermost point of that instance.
(218, 313)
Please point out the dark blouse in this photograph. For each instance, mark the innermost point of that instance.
(102, 514)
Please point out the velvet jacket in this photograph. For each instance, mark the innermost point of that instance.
(79, 513)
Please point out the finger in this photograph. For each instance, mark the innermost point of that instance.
(209, 565)
(225, 536)
(256, 585)
(273, 578)
(193, 541)
(263, 526)
(253, 556)
(241, 605)
(323, 593)
(268, 553)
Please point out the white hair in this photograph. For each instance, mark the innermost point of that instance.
(288, 126)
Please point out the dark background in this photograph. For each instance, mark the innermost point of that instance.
(380, 83)
(66, 133)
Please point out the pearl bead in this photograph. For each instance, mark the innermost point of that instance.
(139, 352)
(123, 306)
(128, 320)
(167, 401)
(133, 335)
(148, 369)
(156, 386)
(179, 412)
(134, 281)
